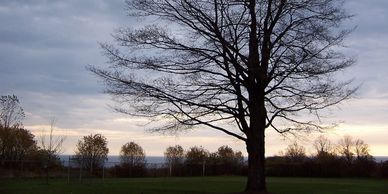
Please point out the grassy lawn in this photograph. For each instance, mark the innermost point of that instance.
(194, 185)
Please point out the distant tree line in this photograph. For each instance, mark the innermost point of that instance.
(197, 161)
(92, 153)
(19, 150)
(348, 158)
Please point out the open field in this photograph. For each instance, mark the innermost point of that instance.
(194, 185)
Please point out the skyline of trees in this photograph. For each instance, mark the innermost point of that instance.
(350, 147)
(351, 154)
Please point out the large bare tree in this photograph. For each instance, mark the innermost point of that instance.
(254, 64)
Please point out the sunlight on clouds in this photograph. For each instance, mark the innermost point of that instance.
(374, 135)
(39, 130)
(154, 143)
(132, 120)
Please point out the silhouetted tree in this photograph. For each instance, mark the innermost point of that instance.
(227, 155)
(295, 152)
(132, 157)
(326, 160)
(364, 164)
(256, 63)
(11, 113)
(91, 151)
(229, 160)
(132, 153)
(51, 147)
(17, 144)
(361, 149)
(195, 159)
(323, 146)
(345, 149)
(384, 169)
(174, 156)
(196, 155)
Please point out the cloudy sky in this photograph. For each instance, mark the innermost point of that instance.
(46, 44)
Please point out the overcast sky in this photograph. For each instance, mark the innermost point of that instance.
(46, 44)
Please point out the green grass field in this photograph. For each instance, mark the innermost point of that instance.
(194, 185)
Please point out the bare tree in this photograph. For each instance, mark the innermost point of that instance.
(255, 64)
(323, 146)
(352, 150)
(51, 146)
(11, 113)
(345, 148)
(361, 149)
(295, 152)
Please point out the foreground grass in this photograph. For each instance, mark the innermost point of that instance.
(194, 185)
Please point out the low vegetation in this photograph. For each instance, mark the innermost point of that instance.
(196, 185)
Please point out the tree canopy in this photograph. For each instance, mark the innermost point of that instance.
(257, 64)
(11, 113)
(196, 155)
(16, 143)
(132, 154)
(92, 151)
(174, 155)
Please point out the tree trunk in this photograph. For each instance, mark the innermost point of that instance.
(47, 168)
(256, 164)
(256, 143)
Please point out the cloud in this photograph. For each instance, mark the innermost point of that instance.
(46, 44)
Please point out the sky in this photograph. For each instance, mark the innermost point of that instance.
(45, 46)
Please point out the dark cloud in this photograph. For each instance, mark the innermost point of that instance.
(45, 45)
(369, 16)
(44, 48)
(368, 44)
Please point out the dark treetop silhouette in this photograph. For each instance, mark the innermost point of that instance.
(11, 113)
(246, 63)
(132, 154)
(92, 151)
